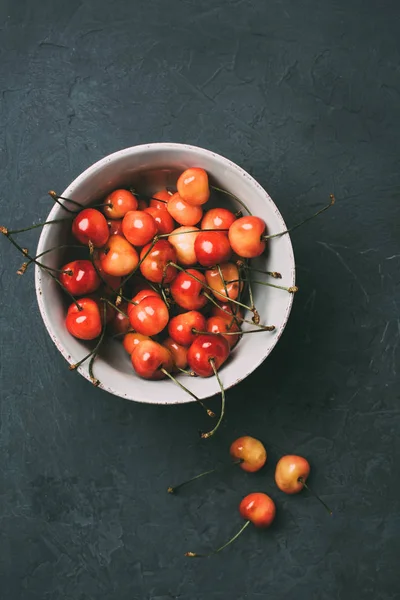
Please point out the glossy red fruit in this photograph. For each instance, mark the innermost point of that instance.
(183, 212)
(132, 340)
(140, 296)
(212, 248)
(225, 308)
(205, 348)
(84, 324)
(291, 472)
(160, 199)
(218, 218)
(150, 316)
(222, 326)
(115, 227)
(178, 352)
(154, 267)
(120, 323)
(245, 236)
(112, 283)
(83, 279)
(183, 239)
(251, 451)
(258, 508)
(187, 291)
(118, 203)
(230, 275)
(193, 186)
(149, 358)
(90, 225)
(180, 328)
(165, 223)
(139, 227)
(119, 257)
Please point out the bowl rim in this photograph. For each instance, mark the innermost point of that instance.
(98, 165)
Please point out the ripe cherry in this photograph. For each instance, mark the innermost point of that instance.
(180, 328)
(160, 199)
(222, 326)
(118, 203)
(155, 260)
(228, 283)
(83, 278)
(120, 321)
(183, 212)
(132, 340)
(139, 227)
(204, 349)
(151, 360)
(246, 236)
(212, 248)
(119, 257)
(165, 223)
(90, 225)
(218, 218)
(178, 352)
(187, 291)
(150, 316)
(183, 239)
(251, 451)
(193, 186)
(113, 282)
(137, 298)
(83, 319)
(115, 227)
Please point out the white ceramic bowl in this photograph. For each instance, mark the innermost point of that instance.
(149, 167)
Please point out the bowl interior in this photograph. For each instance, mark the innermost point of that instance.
(149, 168)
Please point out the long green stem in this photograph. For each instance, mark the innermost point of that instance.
(195, 555)
(175, 488)
(273, 274)
(291, 290)
(331, 203)
(36, 226)
(264, 328)
(95, 349)
(211, 299)
(217, 189)
(208, 434)
(177, 382)
(301, 480)
(55, 196)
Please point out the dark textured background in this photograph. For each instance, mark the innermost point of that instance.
(306, 97)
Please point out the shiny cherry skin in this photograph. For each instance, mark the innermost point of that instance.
(212, 248)
(119, 257)
(183, 242)
(179, 353)
(245, 236)
(154, 267)
(132, 340)
(84, 324)
(222, 326)
(139, 297)
(115, 227)
(113, 282)
(183, 212)
(291, 472)
(230, 274)
(120, 323)
(204, 349)
(218, 218)
(225, 308)
(258, 508)
(149, 358)
(150, 316)
(160, 199)
(193, 186)
(83, 280)
(165, 223)
(251, 451)
(187, 291)
(118, 203)
(139, 227)
(90, 225)
(180, 328)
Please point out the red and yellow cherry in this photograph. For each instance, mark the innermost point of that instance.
(291, 473)
(137, 298)
(178, 352)
(154, 262)
(222, 326)
(150, 360)
(207, 348)
(246, 236)
(160, 199)
(132, 340)
(188, 291)
(120, 322)
(193, 186)
(183, 212)
(218, 218)
(212, 248)
(113, 282)
(139, 227)
(118, 257)
(180, 328)
(84, 321)
(230, 275)
(227, 311)
(150, 316)
(90, 225)
(183, 240)
(165, 223)
(250, 451)
(81, 277)
(118, 203)
(115, 227)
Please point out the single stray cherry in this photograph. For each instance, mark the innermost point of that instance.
(251, 451)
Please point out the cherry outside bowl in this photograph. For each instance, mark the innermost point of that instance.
(148, 168)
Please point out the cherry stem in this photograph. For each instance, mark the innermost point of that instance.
(195, 555)
(227, 295)
(217, 189)
(292, 290)
(153, 243)
(190, 373)
(114, 306)
(94, 352)
(273, 274)
(211, 299)
(51, 250)
(177, 382)
(221, 416)
(175, 488)
(263, 328)
(139, 195)
(331, 203)
(56, 197)
(301, 480)
(6, 232)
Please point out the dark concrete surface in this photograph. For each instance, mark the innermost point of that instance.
(306, 97)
